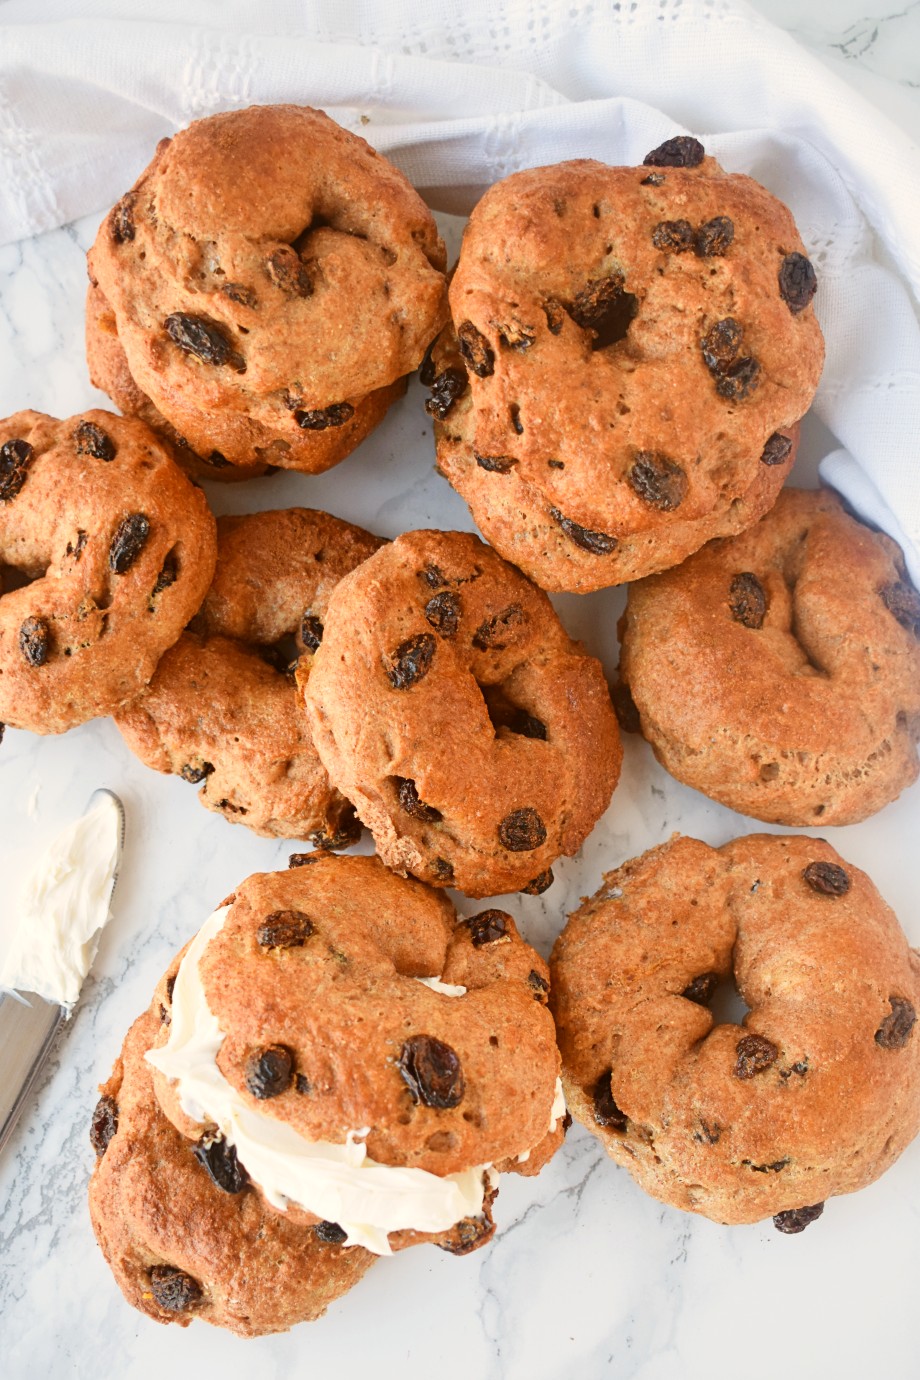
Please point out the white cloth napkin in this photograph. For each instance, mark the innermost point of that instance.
(462, 92)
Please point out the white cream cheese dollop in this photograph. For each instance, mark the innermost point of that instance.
(339, 1183)
(64, 906)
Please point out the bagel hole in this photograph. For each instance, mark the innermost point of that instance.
(508, 717)
(726, 1004)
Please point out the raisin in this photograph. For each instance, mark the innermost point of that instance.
(755, 1053)
(658, 480)
(443, 613)
(240, 293)
(606, 1111)
(302, 1084)
(476, 350)
(895, 1029)
(494, 634)
(487, 927)
(514, 335)
(288, 271)
(269, 1072)
(206, 340)
(432, 576)
(700, 990)
(121, 220)
(431, 1071)
(714, 238)
(624, 706)
(311, 631)
(555, 316)
(302, 859)
(673, 234)
(537, 885)
(653, 180)
(794, 1220)
(193, 772)
(747, 600)
(103, 1125)
(449, 385)
(777, 448)
(721, 343)
(683, 151)
(171, 981)
(468, 1235)
(167, 576)
(348, 832)
(321, 418)
(827, 878)
(128, 542)
(605, 308)
(92, 440)
(216, 460)
(426, 374)
(173, 1289)
(797, 282)
(35, 641)
(495, 464)
(75, 549)
(522, 831)
(709, 1133)
(218, 1157)
(330, 1233)
(903, 603)
(442, 870)
(411, 661)
(411, 804)
(528, 726)
(539, 986)
(739, 379)
(284, 929)
(598, 543)
(514, 413)
(15, 459)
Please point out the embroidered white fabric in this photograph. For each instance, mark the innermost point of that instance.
(460, 93)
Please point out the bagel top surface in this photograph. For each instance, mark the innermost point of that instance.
(632, 337)
(186, 1241)
(447, 702)
(271, 263)
(816, 1093)
(779, 670)
(324, 962)
(118, 548)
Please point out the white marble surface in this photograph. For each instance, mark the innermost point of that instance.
(587, 1275)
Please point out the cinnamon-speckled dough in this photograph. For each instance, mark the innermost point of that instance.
(816, 1094)
(474, 737)
(271, 279)
(218, 712)
(779, 671)
(630, 351)
(155, 1208)
(118, 548)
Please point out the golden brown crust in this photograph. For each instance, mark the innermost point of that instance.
(154, 1207)
(816, 1094)
(273, 280)
(217, 711)
(346, 1004)
(779, 672)
(445, 668)
(626, 365)
(119, 548)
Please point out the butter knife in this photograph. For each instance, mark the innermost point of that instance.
(29, 1022)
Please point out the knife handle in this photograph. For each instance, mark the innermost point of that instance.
(26, 1035)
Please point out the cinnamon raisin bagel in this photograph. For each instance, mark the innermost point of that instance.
(816, 1093)
(106, 551)
(474, 737)
(631, 349)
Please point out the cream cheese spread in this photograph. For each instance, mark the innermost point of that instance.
(337, 1182)
(64, 906)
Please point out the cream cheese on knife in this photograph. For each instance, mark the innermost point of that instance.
(63, 907)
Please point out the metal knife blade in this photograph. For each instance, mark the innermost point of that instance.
(29, 1023)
